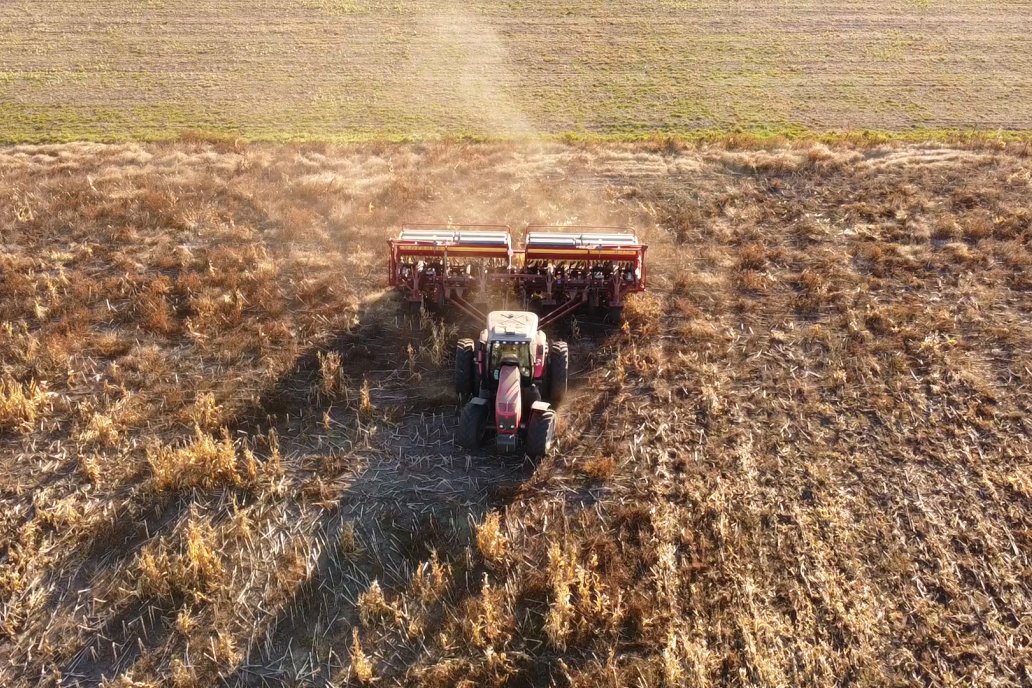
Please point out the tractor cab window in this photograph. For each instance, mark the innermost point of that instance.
(500, 351)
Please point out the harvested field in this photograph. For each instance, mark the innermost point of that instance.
(369, 69)
(804, 460)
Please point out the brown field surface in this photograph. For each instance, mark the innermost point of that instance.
(804, 460)
(371, 69)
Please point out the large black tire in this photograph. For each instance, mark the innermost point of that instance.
(464, 369)
(471, 430)
(541, 434)
(558, 372)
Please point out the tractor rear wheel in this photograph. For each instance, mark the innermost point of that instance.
(464, 372)
(541, 434)
(559, 372)
(471, 430)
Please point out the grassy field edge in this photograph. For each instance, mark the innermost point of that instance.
(734, 137)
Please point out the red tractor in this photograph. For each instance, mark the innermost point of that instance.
(511, 380)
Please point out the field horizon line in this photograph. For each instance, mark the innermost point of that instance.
(766, 137)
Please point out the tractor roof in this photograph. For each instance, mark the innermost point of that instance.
(512, 326)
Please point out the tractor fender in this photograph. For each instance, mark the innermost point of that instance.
(540, 346)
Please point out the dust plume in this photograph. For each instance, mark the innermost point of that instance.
(460, 62)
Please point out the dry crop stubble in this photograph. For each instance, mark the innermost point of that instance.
(804, 460)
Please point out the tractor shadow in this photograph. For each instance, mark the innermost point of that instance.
(396, 520)
(417, 496)
(405, 493)
(409, 493)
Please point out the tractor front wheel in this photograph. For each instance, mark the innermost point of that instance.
(471, 430)
(559, 372)
(464, 369)
(541, 434)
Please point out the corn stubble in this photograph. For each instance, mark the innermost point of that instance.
(801, 459)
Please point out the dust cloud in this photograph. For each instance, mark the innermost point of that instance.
(461, 72)
(461, 66)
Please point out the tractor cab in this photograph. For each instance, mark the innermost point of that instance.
(511, 338)
(509, 354)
